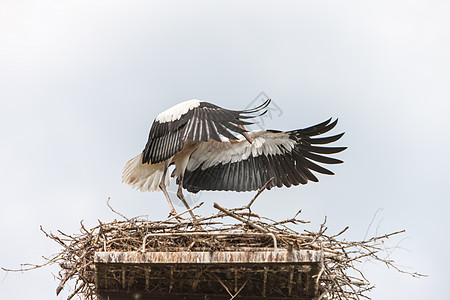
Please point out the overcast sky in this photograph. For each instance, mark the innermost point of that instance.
(82, 81)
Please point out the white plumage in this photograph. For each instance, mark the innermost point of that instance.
(212, 150)
(144, 177)
(175, 112)
(212, 153)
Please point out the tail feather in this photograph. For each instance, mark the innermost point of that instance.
(144, 177)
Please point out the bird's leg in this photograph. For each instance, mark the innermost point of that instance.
(162, 186)
(181, 196)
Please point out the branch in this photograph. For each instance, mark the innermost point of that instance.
(233, 215)
(110, 207)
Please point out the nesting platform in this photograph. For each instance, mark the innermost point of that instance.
(187, 273)
(255, 258)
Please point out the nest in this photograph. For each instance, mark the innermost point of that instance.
(336, 275)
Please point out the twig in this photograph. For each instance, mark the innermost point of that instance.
(116, 212)
(233, 215)
(182, 213)
(262, 189)
(322, 268)
(341, 232)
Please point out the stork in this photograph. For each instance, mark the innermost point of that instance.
(212, 150)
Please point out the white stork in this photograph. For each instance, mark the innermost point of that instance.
(199, 139)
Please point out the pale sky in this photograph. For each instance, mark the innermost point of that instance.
(82, 81)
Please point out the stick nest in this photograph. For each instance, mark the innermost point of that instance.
(339, 273)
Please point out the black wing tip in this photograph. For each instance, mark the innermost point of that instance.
(319, 128)
(332, 124)
(259, 107)
(327, 122)
(324, 150)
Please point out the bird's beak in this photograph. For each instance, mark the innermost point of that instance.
(245, 134)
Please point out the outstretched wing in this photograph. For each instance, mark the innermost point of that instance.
(193, 121)
(287, 157)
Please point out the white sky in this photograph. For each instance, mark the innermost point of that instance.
(81, 82)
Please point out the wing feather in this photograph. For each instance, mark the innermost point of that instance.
(256, 180)
(289, 157)
(315, 167)
(194, 121)
(326, 140)
(212, 131)
(325, 150)
(321, 158)
(223, 131)
(268, 172)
